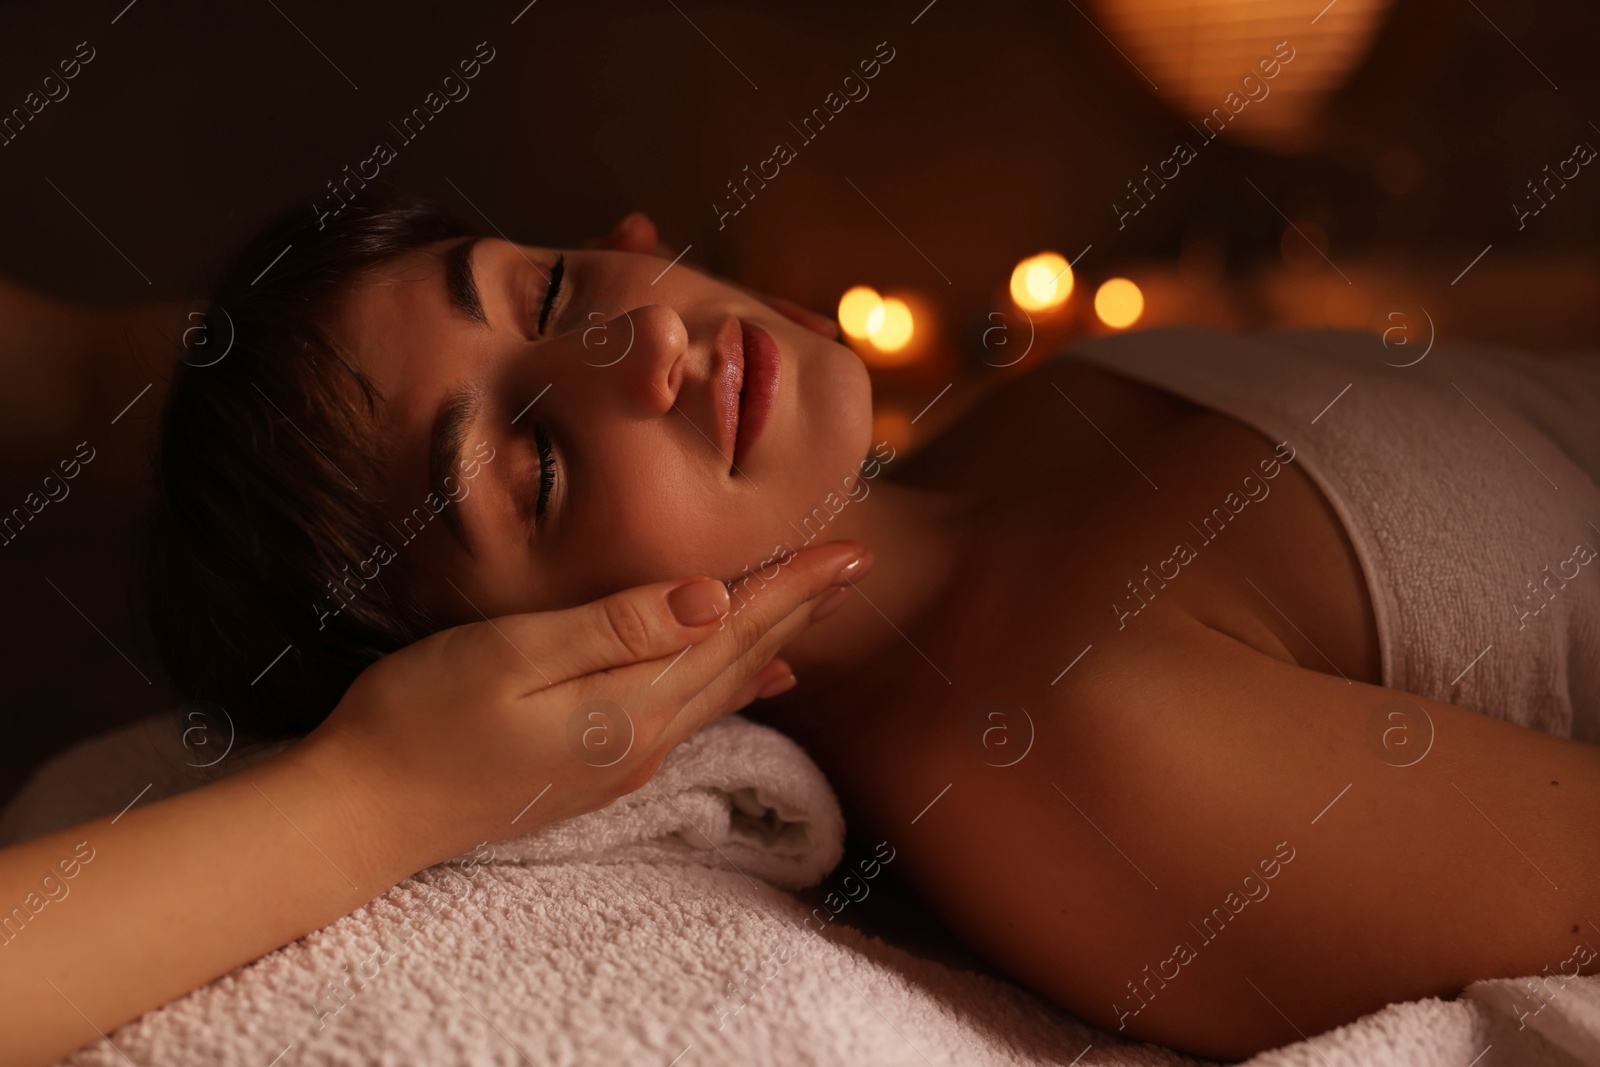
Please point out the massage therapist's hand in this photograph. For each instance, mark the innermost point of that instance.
(451, 738)
(463, 737)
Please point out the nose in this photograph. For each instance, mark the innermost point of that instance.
(646, 345)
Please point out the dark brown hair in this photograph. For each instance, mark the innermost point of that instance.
(267, 478)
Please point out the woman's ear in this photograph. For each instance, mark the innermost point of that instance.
(811, 320)
(636, 232)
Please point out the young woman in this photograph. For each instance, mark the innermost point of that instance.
(112, 917)
(410, 425)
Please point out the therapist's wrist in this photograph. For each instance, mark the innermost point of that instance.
(329, 772)
(128, 347)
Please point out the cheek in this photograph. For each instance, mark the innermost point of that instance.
(660, 513)
(661, 518)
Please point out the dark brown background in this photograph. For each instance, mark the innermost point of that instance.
(1000, 128)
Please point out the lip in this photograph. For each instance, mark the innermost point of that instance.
(759, 392)
(744, 386)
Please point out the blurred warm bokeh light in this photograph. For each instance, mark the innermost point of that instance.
(892, 423)
(1118, 303)
(883, 326)
(1196, 54)
(895, 329)
(1041, 282)
(860, 312)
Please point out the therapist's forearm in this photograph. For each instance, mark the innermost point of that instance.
(178, 892)
(67, 369)
(44, 348)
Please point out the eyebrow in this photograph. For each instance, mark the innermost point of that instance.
(456, 415)
(461, 285)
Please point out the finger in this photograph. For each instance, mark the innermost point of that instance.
(714, 701)
(763, 618)
(649, 626)
(636, 626)
(776, 677)
(782, 685)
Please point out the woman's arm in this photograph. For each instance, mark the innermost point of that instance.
(1224, 852)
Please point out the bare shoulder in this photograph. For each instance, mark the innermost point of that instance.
(1217, 850)
(1031, 423)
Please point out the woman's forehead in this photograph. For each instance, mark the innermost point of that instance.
(394, 324)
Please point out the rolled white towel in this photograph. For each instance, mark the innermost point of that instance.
(736, 795)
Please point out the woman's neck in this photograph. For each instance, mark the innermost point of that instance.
(916, 537)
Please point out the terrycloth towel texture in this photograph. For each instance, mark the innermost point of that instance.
(744, 794)
(1466, 480)
(625, 937)
(739, 793)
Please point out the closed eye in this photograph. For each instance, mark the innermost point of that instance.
(552, 291)
(547, 471)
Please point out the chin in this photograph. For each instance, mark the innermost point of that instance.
(817, 444)
(839, 424)
(835, 437)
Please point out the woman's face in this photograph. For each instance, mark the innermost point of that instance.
(627, 387)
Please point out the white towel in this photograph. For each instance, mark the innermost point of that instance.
(738, 791)
(651, 932)
(1468, 481)
(744, 790)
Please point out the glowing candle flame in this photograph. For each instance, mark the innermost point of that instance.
(1041, 282)
(894, 327)
(861, 312)
(1119, 303)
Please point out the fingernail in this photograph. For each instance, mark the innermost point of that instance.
(829, 605)
(855, 569)
(782, 685)
(698, 602)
